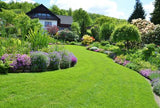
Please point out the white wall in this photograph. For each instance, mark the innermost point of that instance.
(54, 22)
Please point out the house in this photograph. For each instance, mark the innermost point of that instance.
(47, 18)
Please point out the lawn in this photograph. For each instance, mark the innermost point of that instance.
(96, 81)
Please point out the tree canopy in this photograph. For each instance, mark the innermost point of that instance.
(138, 11)
(155, 16)
(82, 17)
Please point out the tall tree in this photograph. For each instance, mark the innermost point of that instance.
(155, 16)
(138, 11)
(55, 10)
(82, 17)
(70, 12)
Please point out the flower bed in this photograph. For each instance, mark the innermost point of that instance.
(38, 61)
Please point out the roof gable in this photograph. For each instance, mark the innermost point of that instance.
(41, 9)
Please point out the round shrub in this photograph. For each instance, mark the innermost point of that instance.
(106, 31)
(55, 59)
(65, 59)
(67, 35)
(86, 40)
(52, 29)
(126, 33)
(39, 61)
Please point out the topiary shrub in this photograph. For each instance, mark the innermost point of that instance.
(106, 31)
(126, 33)
(67, 35)
(39, 61)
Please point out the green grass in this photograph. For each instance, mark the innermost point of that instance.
(96, 81)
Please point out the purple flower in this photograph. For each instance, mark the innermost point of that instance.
(126, 62)
(145, 72)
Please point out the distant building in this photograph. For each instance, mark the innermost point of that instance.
(47, 18)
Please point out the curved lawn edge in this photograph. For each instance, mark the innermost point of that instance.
(96, 81)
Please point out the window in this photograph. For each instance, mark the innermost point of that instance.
(48, 24)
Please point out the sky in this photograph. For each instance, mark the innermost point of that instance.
(114, 8)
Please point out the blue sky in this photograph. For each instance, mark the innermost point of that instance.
(114, 8)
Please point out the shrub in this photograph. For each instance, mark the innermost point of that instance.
(95, 31)
(86, 40)
(67, 35)
(55, 59)
(146, 28)
(4, 67)
(104, 43)
(121, 45)
(120, 59)
(106, 31)
(154, 75)
(75, 28)
(52, 29)
(126, 33)
(38, 39)
(157, 35)
(133, 66)
(65, 59)
(148, 50)
(39, 61)
(73, 60)
(17, 61)
(156, 88)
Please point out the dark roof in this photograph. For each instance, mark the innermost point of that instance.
(65, 19)
(41, 9)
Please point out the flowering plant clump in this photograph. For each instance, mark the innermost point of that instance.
(120, 59)
(145, 72)
(18, 60)
(126, 62)
(146, 29)
(86, 39)
(39, 61)
(55, 59)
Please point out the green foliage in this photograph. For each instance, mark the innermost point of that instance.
(4, 67)
(104, 43)
(8, 16)
(67, 35)
(121, 45)
(38, 39)
(95, 31)
(57, 11)
(75, 28)
(82, 17)
(156, 88)
(14, 46)
(133, 66)
(138, 11)
(70, 13)
(155, 16)
(106, 31)
(126, 33)
(40, 61)
(157, 35)
(148, 51)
